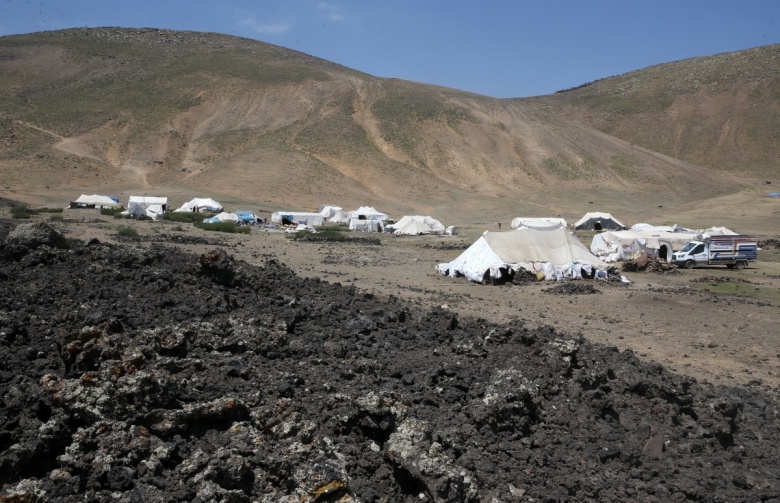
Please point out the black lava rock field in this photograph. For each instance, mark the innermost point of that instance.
(154, 375)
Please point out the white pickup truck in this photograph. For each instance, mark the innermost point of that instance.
(734, 251)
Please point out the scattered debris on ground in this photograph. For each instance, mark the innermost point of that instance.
(649, 263)
(572, 288)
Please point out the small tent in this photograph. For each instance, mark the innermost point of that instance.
(222, 218)
(147, 206)
(598, 222)
(200, 205)
(297, 217)
(414, 225)
(356, 224)
(247, 216)
(554, 254)
(538, 223)
(95, 201)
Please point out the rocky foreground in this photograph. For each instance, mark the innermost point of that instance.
(146, 375)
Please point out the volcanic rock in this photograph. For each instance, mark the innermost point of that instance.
(151, 374)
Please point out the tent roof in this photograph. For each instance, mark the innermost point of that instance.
(412, 228)
(520, 248)
(148, 200)
(97, 200)
(539, 223)
(200, 203)
(369, 212)
(557, 246)
(597, 216)
(433, 224)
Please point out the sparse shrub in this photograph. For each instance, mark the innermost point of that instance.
(127, 232)
(56, 218)
(229, 227)
(21, 212)
(48, 210)
(191, 217)
(177, 228)
(113, 212)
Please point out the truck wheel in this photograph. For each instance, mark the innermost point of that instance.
(689, 264)
(741, 264)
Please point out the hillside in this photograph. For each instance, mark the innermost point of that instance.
(118, 110)
(721, 111)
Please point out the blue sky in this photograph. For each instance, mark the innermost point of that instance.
(498, 48)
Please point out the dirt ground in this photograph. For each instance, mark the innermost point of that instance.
(714, 324)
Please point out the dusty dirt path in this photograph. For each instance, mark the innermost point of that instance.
(74, 146)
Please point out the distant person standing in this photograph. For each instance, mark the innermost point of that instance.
(499, 225)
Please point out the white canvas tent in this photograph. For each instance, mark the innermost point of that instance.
(147, 206)
(555, 253)
(356, 224)
(414, 225)
(200, 205)
(614, 246)
(333, 213)
(297, 217)
(222, 217)
(538, 223)
(367, 213)
(598, 222)
(95, 201)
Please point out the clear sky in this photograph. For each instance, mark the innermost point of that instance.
(500, 48)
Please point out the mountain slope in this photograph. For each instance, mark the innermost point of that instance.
(153, 110)
(721, 111)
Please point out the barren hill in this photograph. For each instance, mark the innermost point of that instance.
(117, 110)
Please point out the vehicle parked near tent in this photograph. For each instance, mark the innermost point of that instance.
(733, 251)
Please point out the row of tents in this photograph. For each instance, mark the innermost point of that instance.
(154, 206)
(365, 219)
(547, 248)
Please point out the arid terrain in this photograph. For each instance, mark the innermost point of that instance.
(261, 368)
(678, 319)
(186, 365)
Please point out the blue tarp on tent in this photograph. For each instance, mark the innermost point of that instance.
(247, 216)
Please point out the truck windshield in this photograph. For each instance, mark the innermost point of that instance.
(688, 247)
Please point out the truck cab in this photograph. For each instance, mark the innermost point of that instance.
(693, 254)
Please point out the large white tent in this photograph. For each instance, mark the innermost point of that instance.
(538, 223)
(555, 253)
(95, 201)
(367, 213)
(598, 222)
(147, 206)
(199, 205)
(414, 225)
(333, 213)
